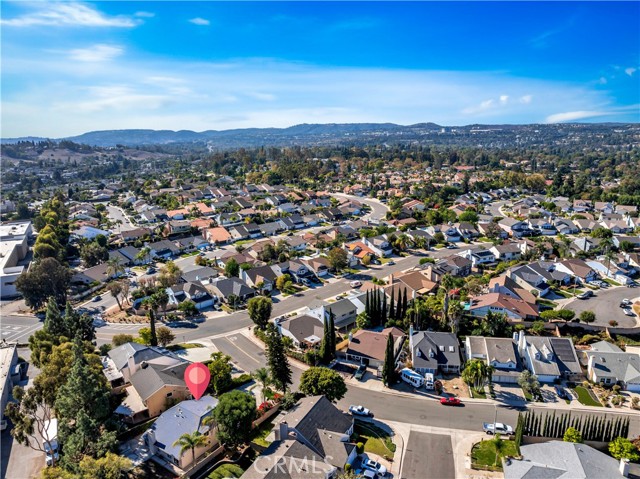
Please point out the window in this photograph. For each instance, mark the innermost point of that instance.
(169, 394)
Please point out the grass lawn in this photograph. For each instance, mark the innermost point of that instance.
(527, 395)
(484, 453)
(375, 440)
(175, 347)
(261, 432)
(547, 302)
(226, 471)
(562, 293)
(585, 397)
(478, 393)
(611, 282)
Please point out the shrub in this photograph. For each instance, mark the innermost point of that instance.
(613, 323)
(634, 402)
(359, 448)
(347, 467)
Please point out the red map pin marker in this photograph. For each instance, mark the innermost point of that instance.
(197, 377)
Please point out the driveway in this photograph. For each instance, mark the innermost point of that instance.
(509, 393)
(428, 456)
(606, 306)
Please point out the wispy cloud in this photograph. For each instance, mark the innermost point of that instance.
(144, 14)
(96, 53)
(630, 71)
(525, 99)
(200, 21)
(542, 40)
(573, 116)
(67, 14)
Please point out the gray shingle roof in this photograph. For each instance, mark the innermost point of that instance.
(444, 346)
(150, 379)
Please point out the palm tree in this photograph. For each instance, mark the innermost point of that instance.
(115, 288)
(114, 268)
(401, 242)
(605, 246)
(162, 299)
(143, 254)
(191, 441)
(263, 376)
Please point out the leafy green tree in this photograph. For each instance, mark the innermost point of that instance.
(277, 360)
(188, 307)
(189, 442)
(572, 435)
(165, 336)
(283, 282)
(529, 382)
(319, 380)
(234, 415)
(389, 365)
(259, 309)
(82, 406)
(232, 268)
(169, 274)
(587, 316)
(76, 324)
(468, 215)
(53, 320)
(363, 321)
(120, 339)
(623, 448)
(263, 376)
(220, 369)
(337, 259)
(93, 254)
(537, 327)
(45, 279)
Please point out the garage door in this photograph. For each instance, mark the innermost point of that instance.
(504, 379)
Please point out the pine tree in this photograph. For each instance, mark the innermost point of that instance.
(277, 360)
(53, 320)
(383, 316)
(367, 305)
(323, 352)
(388, 367)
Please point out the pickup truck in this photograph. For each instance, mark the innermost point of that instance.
(497, 428)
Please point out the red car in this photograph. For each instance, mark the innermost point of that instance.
(450, 401)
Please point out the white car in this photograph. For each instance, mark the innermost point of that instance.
(374, 466)
(360, 411)
(625, 302)
(628, 312)
(355, 284)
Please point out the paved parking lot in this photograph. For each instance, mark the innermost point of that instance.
(428, 456)
(606, 306)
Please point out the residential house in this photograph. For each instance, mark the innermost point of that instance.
(451, 234)
(563, 460)
(538, 276)
(549, 358)
(200, 274)
(312, 441)
(305, 331)
(369, 347)
(344, 311)
(195, 292)
(358, 251)
(515, 309)
(478, 257)
(514, 228)
(506, 251)
(501, 353)
(262, 278)
(183, 418)
(224, 287)
(379, 245)
(455, 265)
(609, 365)
(565, 226)
(433, 352)
(177, 227)
(318, 265)
(467, 230)
(163, 249)
(271, 229)
(578, 269)
(508, 286)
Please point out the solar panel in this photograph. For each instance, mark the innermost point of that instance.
(564, 350)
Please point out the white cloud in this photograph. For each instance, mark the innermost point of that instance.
(602, 81)
(96, 53)
(630, 71)
(504, 99)
(200, 21)
(525, 99)
(68, 14)
(574, 115)
(261, 96)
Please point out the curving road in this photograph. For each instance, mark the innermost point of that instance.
(378, 209)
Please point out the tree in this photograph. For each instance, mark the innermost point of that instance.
(337, 259)
(363, 321)
(120, 339)
(152, 303)
(188, 307)
(587, 316)
(319, 380)
(82, 406)
(623, 448)
(115, 288)
(143, 254)
(475, 373)
(537, 328)
(234, 416)
(53, 320)
(572, 435)
(111, 466)
(93, 254)
(165, 336)
(263, 376)
(283, 282)
(30, 415)
(189, 441)
(499, 446)
(45, 279)
(389, 365)
(169, 274)
(259, 309)
(277, 360)
(529, 382)
(144, 335)
(220, 369)
(469, 216)
(232, 268)
(328, 344)
(114, 268)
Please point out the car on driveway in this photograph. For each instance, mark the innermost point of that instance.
(450, 401)
(451, 246)
(587, 294)
(562, 394)
(628, 312)
(625, 303)
(360, 411)
(374, 466)
(362, 369)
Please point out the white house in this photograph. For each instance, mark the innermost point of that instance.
(608, 364)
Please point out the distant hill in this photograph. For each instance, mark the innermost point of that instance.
(359, 134)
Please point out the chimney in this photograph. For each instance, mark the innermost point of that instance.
(131, 363)
(350, 337)
(624, 467)
(282, 432)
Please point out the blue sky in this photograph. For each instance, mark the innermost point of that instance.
(70, 67)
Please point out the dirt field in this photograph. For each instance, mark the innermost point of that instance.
(455, 385)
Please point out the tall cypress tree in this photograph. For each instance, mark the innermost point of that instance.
(277, 360)
(388, 367)
(324, 345)
(332, 334)
(383, 317)
(53, 321)
(404, 304)
(392, 310)
(367, 305)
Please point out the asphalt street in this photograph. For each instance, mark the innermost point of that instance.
(605, 304)
(117, 214)
(428, 456)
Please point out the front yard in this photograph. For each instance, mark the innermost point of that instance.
(484, 454)
(375, 440)
(585, 396)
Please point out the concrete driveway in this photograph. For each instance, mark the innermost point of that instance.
(509, 393)
(606, 306)
(428, 456)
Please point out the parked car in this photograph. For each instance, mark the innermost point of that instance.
(497, 428)
(390, 262)
(305, 281)
(96, 299)
(355, 284)
(562, 394)
(151, 270)
(451, 246)
(587, 294)
(362, 369)
(625, 303)
(450, 401)
(628, 312)
(360, 411)
(374, 466)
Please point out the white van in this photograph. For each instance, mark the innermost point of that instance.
(429, 382)
(411, 377)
